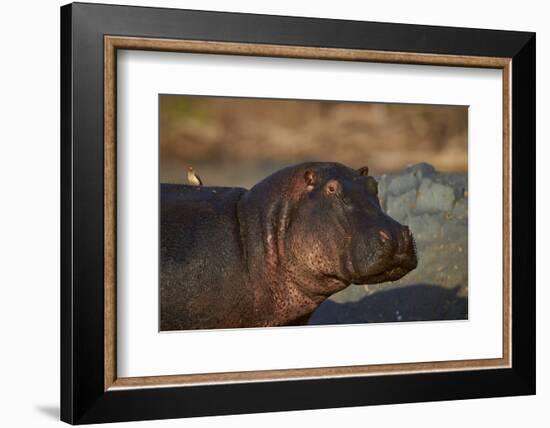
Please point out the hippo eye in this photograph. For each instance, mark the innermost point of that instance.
(332, 187)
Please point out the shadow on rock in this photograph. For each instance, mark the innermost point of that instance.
(420, 302)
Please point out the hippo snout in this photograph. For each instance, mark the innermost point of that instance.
(399, 255)
(401, 242)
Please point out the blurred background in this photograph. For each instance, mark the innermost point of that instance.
(238, 141)
(418, 153)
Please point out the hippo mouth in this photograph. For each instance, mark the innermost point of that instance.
(393, 274)
(392, 262)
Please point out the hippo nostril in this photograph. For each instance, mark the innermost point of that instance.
(384, 235)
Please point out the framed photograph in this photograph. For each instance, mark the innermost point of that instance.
(266, 213)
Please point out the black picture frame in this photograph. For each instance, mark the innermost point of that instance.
(83, 398)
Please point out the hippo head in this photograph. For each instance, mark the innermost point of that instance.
(340, 230)
(324, 220)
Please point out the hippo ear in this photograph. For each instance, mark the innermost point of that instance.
(364, 170)
(310, 177)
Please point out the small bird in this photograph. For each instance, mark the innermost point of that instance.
(192, 178)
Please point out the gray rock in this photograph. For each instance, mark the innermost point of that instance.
(402, 184)
(425, 227)
(399, 207)
(460, 210)
(455, 231)
(420, 170)
(434, 197)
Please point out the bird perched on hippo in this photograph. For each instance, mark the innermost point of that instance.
(269, 256)
(192, 177)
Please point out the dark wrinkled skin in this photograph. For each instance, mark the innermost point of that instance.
(271, 255)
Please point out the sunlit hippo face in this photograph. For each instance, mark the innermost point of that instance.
(339, 229)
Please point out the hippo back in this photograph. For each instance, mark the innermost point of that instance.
(200, 255)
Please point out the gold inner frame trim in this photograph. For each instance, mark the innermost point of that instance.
(113, 43)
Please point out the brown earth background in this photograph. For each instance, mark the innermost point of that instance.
(239, 141)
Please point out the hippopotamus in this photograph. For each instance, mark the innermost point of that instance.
(269, 256)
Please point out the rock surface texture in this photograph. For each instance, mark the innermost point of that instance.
(435, 207)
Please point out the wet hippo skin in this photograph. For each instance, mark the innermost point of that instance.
(271, 255)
